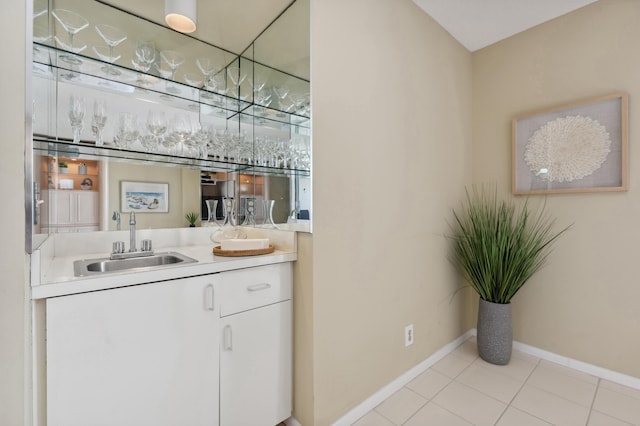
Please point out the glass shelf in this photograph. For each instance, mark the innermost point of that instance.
(47, 63)
(61, 148)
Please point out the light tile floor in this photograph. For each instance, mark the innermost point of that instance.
(462, 389)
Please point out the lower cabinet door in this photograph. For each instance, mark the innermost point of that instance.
(255, 366)
(140, 355)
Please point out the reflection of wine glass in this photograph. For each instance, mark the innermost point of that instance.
(72, 23)
(207, 67)
(99, 119)
(156, 123)
(258, 82)
(76, 116)
(195, 81)
(127, 129)
(112, 36)
(145, 55)
(236, 75)
(173, 60)
(180, 131)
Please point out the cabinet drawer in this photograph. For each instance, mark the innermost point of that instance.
(254, 287)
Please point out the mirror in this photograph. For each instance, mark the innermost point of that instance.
(275, 127)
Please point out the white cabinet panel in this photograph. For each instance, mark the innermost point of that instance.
(69, 210)
(256, 366)
(87, 207)
(250, 288)
(141, 355)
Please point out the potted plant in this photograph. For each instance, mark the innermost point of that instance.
(62, 166)
(499, 247)
(191, 218)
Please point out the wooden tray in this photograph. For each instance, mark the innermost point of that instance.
(231, 253)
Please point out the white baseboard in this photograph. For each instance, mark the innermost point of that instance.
(388, 390)
(594, 370)
(397, 384)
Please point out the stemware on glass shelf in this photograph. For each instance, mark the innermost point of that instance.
(173, 60)
(180, 131)
(195, 81)
(112, 36)
(156, 123)
(72, 23)
(76, 116)
(128, 131)
(208, 68)
(99, 120)
(237, 77)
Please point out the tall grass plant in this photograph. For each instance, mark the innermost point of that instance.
(498, 245)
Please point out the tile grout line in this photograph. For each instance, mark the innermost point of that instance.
(593, 400)
(427, 400)
(524, 382)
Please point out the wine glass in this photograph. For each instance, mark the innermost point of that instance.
(258, 82)
(113, 36)
(195, 81)
(236, 75)
(207, 67)
(145, 56)
(223, 140)
(127, 129)
(173, 60)
(98, 120)
(180, 131)
(72, 23)
(76, 116)
(156, 123)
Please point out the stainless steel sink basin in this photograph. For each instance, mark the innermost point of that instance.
(106, 265)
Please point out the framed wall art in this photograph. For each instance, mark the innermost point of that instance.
(578, 147)
(144, 197)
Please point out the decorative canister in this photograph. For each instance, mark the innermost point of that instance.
(82, 169)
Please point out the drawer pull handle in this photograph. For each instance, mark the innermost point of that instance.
(228, 342)
(208, 298)
(259, 287)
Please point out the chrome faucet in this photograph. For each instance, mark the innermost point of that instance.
(132, 232)
(292, 217)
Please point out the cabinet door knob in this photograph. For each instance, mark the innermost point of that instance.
(259, 287)
(228, 338)
(208, 298)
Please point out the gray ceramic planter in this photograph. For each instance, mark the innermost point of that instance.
(495, 335)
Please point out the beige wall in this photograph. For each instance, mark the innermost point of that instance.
(303, 331)
(184, 194)
(391, 147)
(14, 314)
(584, 304)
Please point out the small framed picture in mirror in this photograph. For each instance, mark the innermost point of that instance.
(144, 197)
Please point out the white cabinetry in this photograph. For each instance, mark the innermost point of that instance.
(141, 355)
(71, 210)
(256, 348)
(170, 353)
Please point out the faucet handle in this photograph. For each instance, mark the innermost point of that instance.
(118, 247)
(146, 245)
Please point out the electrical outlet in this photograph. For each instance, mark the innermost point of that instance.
(408, 335)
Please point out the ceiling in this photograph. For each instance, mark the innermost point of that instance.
(480, 23)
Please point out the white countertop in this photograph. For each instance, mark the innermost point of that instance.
(52, 264)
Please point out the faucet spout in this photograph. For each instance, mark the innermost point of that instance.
(132, 232)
